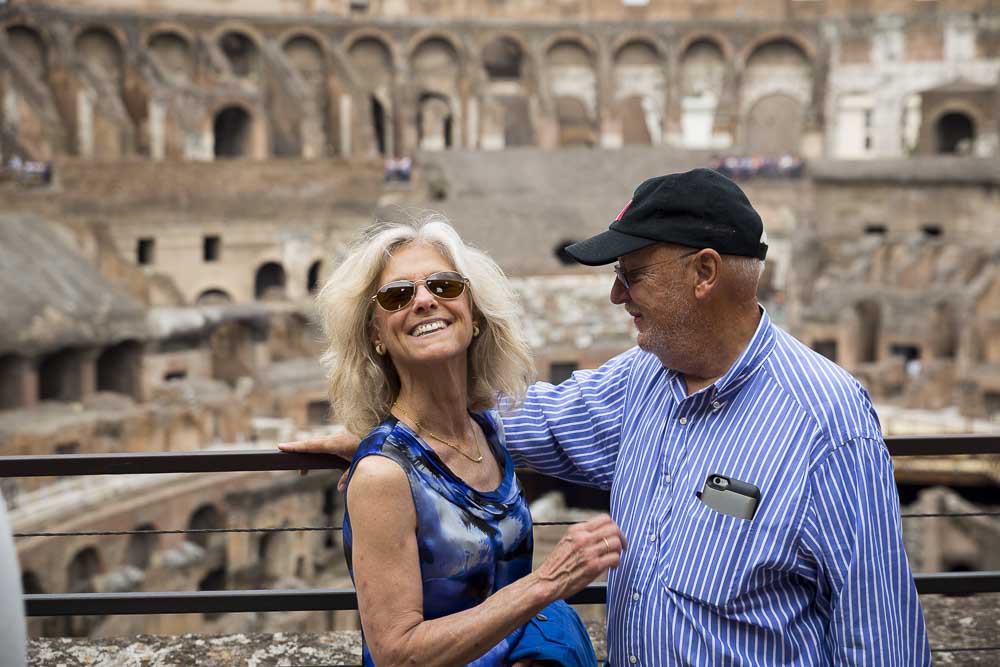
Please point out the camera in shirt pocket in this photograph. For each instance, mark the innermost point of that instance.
(730, 496)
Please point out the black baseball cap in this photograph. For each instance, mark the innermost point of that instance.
(700, 209)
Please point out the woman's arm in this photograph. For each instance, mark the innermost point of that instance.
(390, 595)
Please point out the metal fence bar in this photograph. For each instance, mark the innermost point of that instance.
(239, 460)
(206, 602)
(218, 602)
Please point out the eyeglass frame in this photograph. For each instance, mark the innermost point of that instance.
(621, 275)
(415, 283)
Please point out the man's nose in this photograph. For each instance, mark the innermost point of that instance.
(619, 293)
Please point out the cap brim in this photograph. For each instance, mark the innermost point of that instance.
(606, 247)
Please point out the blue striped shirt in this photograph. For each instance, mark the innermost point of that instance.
(818, 576)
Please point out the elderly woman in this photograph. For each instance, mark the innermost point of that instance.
(423, 337)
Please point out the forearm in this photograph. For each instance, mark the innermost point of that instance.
(460, 638)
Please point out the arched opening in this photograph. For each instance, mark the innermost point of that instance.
(215, 580)
(119, 369)
(213, 297)
(207, 517)
(139, 553)
(232, 132)
(306, 56)
(100, 52)
(869, 331)
(81, 574)
(312, 279)
(378, 124)
(575, 128)
(60, 376)
(639, 91)
(172, 54)
(274, 555)
(435, 61)
(774, 126)
(12, 370)
(502, 59)
(240, 52)
(434, 123)
(269, 282)
(956, 134)
(703, 73)
(27, 44)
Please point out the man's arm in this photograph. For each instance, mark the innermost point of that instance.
(852, 529)
(573, 430)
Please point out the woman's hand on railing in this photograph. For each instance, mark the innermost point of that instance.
(342, 445)
(586, 551)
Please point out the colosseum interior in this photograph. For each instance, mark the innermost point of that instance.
(180, 176)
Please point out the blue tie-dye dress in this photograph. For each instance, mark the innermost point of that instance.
(471, 543)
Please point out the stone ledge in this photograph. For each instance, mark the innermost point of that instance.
(971, 622)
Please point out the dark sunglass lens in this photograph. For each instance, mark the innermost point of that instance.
(445, 288)
(394, 297)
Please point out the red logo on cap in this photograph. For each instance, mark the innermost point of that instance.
(623, 211)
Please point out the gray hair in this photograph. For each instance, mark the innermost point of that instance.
(746, 272)
(364, 385)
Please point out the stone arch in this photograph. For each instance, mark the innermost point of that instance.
(755, 45)
(436, 64)
(431, 35)
(777, 66)
(213, 296)
(436, 125)
(206, 516)
(313, 276)
(774, 126)
(13, 368)
(504, 57)
(573, 38)
(82, 572)
(232, 131)
(572, 85)
(372, 36)
(715, 39)
(119, 369)
(954, 132)
(240, 46)
(702, 83)
(869, 323)
(307, 54)
(171, 50)
(29, 45)
(60, 375)
(639, 91)
(269, 281)
(372, 60)
(141, 546)
(100, 49)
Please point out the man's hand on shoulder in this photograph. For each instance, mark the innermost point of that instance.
(342, 445)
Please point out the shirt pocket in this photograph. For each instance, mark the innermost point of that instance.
(705, 559)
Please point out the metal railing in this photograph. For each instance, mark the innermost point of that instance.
(954, 583)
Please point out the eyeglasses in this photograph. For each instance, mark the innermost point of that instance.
(623, 276)
(399, 293)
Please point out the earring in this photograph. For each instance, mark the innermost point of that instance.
(380, 349)
(475, 330)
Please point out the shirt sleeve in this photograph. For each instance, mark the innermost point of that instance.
(572, 430)
(852, 529)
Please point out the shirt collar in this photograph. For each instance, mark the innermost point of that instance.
(751, 358)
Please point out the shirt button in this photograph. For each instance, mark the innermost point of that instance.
(652, 537)
(633, 659)
(683, 420)
(716, 405)
(666, 478)
(636, 596)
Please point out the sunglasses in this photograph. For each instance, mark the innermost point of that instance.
(399, 293)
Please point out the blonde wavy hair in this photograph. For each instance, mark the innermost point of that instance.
(363, 385)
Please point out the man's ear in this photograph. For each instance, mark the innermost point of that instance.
(707, 266)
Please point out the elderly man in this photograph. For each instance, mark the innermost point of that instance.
(747, 472)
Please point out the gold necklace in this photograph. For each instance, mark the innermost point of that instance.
(421, 427)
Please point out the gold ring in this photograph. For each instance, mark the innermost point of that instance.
(607, 546)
